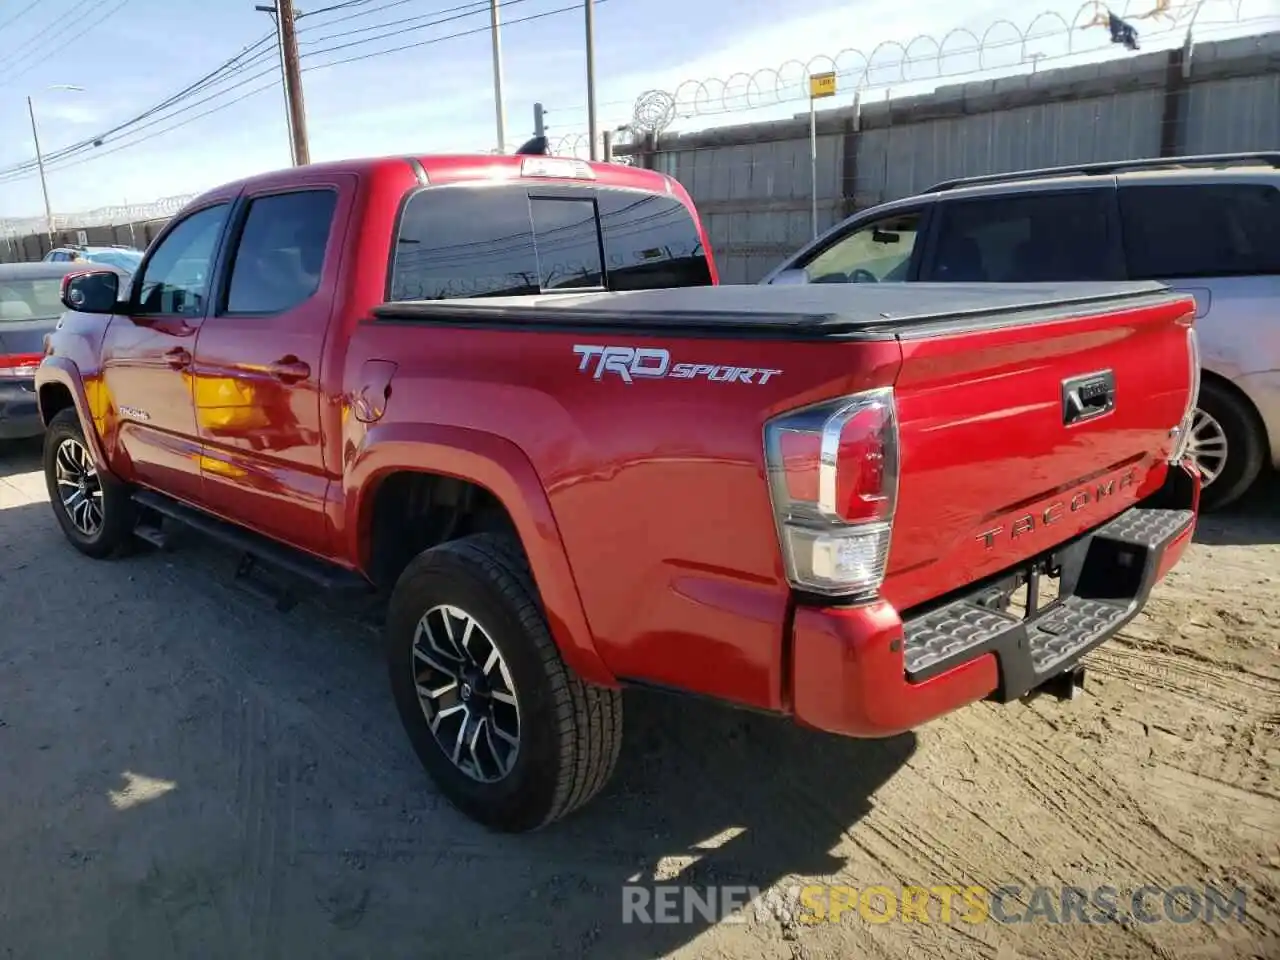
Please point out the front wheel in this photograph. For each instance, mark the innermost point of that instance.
(95, 512)
(509, 734)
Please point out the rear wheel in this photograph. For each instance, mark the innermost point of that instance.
(95, 511)
(509, 734)
(1226, 446)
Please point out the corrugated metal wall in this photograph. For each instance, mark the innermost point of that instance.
(753, 182)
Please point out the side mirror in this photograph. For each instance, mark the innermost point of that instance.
(792, 277)
(94, 291)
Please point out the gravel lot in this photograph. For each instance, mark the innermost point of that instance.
(188, 773)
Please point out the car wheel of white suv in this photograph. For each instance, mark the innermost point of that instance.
(1226, 446)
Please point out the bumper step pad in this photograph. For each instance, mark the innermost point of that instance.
(1106, 577)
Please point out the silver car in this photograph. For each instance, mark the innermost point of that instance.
(1208, 225)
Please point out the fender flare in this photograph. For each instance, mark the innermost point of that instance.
(501, 467)
(64, 373)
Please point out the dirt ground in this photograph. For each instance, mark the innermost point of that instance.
(185, 772)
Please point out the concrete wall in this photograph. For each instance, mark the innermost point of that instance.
(753, 182)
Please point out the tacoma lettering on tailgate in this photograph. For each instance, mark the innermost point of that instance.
(1025, 524)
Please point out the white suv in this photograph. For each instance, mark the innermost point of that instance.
(1208, 225)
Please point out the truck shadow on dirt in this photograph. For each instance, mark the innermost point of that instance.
(249, 790)
(1253, 519)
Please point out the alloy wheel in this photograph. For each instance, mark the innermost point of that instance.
(79, 486)
(1207, 447)
(466, 693)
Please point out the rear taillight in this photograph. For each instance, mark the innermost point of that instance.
(20, 366)
(833, 480)
(1183, 430)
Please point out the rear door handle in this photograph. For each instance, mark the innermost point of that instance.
(290, 370)
(179, 358)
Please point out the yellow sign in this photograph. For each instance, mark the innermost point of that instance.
(822, 85)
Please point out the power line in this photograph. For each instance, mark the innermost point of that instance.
(7, 178)
(32, 42)
(234, 67)
(452, 36)
(20, 14)
(349, 16)
(66, 40)
(470, 9)
(443, 16)
(219, 74)
(343, 6)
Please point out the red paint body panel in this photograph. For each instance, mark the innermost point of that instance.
(847, 678)
(648, 524)
(983, 443)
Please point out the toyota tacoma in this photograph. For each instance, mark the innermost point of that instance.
(507, 392)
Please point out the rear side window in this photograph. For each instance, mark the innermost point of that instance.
(650, 240)
(1210, 230)
(280, 254)
(1023, 238)
(513, 239)
(566, 238)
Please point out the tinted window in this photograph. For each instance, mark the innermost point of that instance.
(1045, 237)
(1201, 231)
(465, 242)
(176, 278)
(280, 254)
(30, 299)
(878, 252)
(499, 240)
(567, 240)
(650, 240)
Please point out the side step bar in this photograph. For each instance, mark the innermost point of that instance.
(256, 548)
(1106, 576)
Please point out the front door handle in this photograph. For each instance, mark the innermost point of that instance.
(290, 369)
(179, 358)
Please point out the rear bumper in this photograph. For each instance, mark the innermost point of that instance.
(865, 672)
(19, 415)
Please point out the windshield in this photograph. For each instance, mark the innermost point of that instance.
(124, 259)
(30, 299)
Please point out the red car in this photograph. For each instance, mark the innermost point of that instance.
(446, 378)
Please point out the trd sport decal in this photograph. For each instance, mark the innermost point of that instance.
(654, 363)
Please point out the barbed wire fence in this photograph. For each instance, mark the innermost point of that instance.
(762, 197)
(958, 54)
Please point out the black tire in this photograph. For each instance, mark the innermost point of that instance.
(118, 510)
(570, 732)
(1245, 445)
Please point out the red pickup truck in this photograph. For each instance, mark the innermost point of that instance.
(445, 378)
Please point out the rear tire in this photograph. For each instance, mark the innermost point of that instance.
(95, 511)
(1226, 438)
(506, 682)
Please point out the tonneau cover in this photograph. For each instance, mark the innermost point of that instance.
(815, 310)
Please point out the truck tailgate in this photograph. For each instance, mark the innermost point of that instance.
(1016, 438)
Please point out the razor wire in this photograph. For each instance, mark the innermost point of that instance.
(119, 215)
(655, 110)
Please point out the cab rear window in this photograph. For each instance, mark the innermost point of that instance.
(512, 239)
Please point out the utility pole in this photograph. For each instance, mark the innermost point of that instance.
(591, 78)
(44, 186)
(282, 11)
(284, 79)
(499, 110)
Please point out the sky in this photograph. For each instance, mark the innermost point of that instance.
(127, 56)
